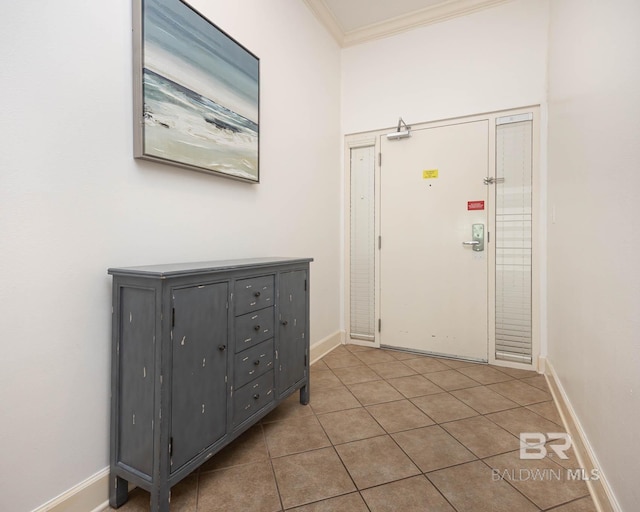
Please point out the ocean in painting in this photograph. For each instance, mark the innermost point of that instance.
(184, 126)
(200, 92)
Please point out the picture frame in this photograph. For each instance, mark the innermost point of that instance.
(196, 93)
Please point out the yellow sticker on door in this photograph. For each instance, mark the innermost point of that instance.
(429, 174)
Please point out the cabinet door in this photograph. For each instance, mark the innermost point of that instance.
(199, 369)
(292, 327)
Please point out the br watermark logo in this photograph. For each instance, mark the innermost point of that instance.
(533, 446)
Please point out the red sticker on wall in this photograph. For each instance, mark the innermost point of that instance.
(475, 205)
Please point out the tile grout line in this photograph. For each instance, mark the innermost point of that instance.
(273, 471)
(424, 474)
(341, 462)
(462, 444)
(514, 487)
(389, 434)
(513, 451)
(364, 364)
(449, 392)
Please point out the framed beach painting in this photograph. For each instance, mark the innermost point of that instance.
(196, 92)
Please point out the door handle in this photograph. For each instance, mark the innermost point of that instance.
(477, 234)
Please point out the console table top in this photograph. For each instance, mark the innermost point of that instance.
(201, 267)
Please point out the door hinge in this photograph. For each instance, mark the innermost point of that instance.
(305, 285)
(379, 242)
(170, 446)
(379, 324)
(173, 317)
(380, 159)
(488, 237)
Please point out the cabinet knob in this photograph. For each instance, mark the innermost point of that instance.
(285, 322)
(256, 362)
(257, 294)
(257, 327)
(256, 396)
(222, 348)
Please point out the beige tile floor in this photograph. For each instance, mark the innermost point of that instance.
(390, 431)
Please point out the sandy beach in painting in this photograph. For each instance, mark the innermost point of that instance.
(183, 126)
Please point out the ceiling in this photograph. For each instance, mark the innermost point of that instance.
(356, 21)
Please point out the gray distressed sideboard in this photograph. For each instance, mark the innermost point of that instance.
(200, 353)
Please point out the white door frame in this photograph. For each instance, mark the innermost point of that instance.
(372, 138)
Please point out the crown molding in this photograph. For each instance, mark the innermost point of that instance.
(434, 14)
(326, 17)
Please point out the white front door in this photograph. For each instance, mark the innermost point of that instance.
(433, 286)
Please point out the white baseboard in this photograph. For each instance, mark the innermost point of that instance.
(88, 496)
(92, 494)
(321, 348)
(603, 497)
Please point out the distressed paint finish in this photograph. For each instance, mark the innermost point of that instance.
(198, 358)
(253, 362)
(254, 328)
(198, 389)
(293, 339)
(136, 352)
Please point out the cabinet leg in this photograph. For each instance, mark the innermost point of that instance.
(160, 499)
(304, 394)
(118, 491)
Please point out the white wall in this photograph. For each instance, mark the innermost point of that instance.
(491, 60)
(594, 243)
(74, 202)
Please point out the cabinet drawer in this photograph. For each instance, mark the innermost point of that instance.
(253, 328)
(253, 294)
(252, 397)
(253, 362)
